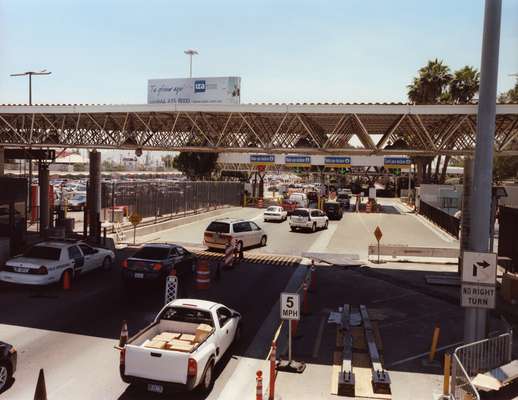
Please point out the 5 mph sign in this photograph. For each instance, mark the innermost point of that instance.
(290, 306)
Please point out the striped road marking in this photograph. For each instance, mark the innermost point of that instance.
(253, 258)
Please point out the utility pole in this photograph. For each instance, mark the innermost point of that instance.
(476, 318)
(190, 53)
(30, 74)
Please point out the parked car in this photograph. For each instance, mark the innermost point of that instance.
(333, 210)
(8, 360)
(200, 333)
(308, 218)
(275, 213)
(222, 231)
(155, 261)
(46, 262)
(289, 205)
(77, 202)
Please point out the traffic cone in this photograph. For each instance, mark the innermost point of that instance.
(124, 334)
(66, 280)
(259, 385)
(41, 390)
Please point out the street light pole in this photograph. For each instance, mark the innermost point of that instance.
(30, 74)
(475, 318)
(190, 53)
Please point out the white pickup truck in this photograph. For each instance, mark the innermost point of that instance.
(181, 347)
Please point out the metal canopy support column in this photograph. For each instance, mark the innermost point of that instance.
(2, 161)
(94, 196)
(43, 180)
(475, 323)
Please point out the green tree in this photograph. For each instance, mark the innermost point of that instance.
(464, 85)
(196, 165)
(435, 84)
(511, 96)
(430, 84)
(505, 168)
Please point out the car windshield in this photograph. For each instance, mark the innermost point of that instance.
(152, 253)
(43, 252)
(271, 209)
(300, 213)
(221, 227)
(184, 314)
(79, 197)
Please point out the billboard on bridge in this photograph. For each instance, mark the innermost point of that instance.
(219, 90)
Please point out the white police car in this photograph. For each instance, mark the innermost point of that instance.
(46, 262)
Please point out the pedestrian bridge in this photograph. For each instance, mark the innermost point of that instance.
(382, 129)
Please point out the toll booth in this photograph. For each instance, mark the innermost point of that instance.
(13, 215)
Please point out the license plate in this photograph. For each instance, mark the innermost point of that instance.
(138, 275)
(153, 387)
(21, 269)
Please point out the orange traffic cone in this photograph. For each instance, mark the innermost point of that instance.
(66, 280)
(124, 334)
(41, 390)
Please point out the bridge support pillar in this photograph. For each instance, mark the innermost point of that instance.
(43, 181)
(94, 196)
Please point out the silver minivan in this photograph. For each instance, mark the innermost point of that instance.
(308, 218)
(244, 233)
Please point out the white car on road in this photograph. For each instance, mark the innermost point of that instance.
(308, 218)
(46, 262)
(275, 213)
(181, 348)
(243, 233)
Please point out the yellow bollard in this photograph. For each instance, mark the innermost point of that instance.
(447, 367)
(435, 340)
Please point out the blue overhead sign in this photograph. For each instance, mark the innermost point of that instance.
(298, 161)
(337, 162)
(397, 162)
(262, 159)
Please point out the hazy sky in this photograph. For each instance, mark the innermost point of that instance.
(103, 51)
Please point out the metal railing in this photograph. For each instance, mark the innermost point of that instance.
(478, 357)
(167, 198)
(441, 218)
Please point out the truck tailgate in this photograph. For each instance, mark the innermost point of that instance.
(156, 364)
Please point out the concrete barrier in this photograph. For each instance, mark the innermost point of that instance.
(409, 251)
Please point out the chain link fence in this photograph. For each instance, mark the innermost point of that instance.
(163, 198)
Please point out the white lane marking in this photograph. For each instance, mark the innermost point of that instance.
(323, 239)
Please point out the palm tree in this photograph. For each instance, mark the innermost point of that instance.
(430, 84)
(464, 85)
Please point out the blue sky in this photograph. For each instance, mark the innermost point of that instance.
(284, 50)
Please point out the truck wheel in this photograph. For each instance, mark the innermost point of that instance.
(208, 378)
(326, 225)
(314, 227)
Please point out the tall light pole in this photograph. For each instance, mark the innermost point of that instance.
(30, 74)
(476, 318)
(190, 53)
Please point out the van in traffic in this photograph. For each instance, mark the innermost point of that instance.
(300, 198)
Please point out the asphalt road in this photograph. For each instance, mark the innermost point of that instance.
(71, 334)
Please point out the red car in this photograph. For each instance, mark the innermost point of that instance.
(289, 205)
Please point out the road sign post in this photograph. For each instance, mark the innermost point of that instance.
(378, 235)
(290, 310)
(476, 318)
(135, 219)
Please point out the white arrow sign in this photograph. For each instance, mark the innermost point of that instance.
(479, 267)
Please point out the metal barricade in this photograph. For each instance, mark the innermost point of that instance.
(478, 357)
